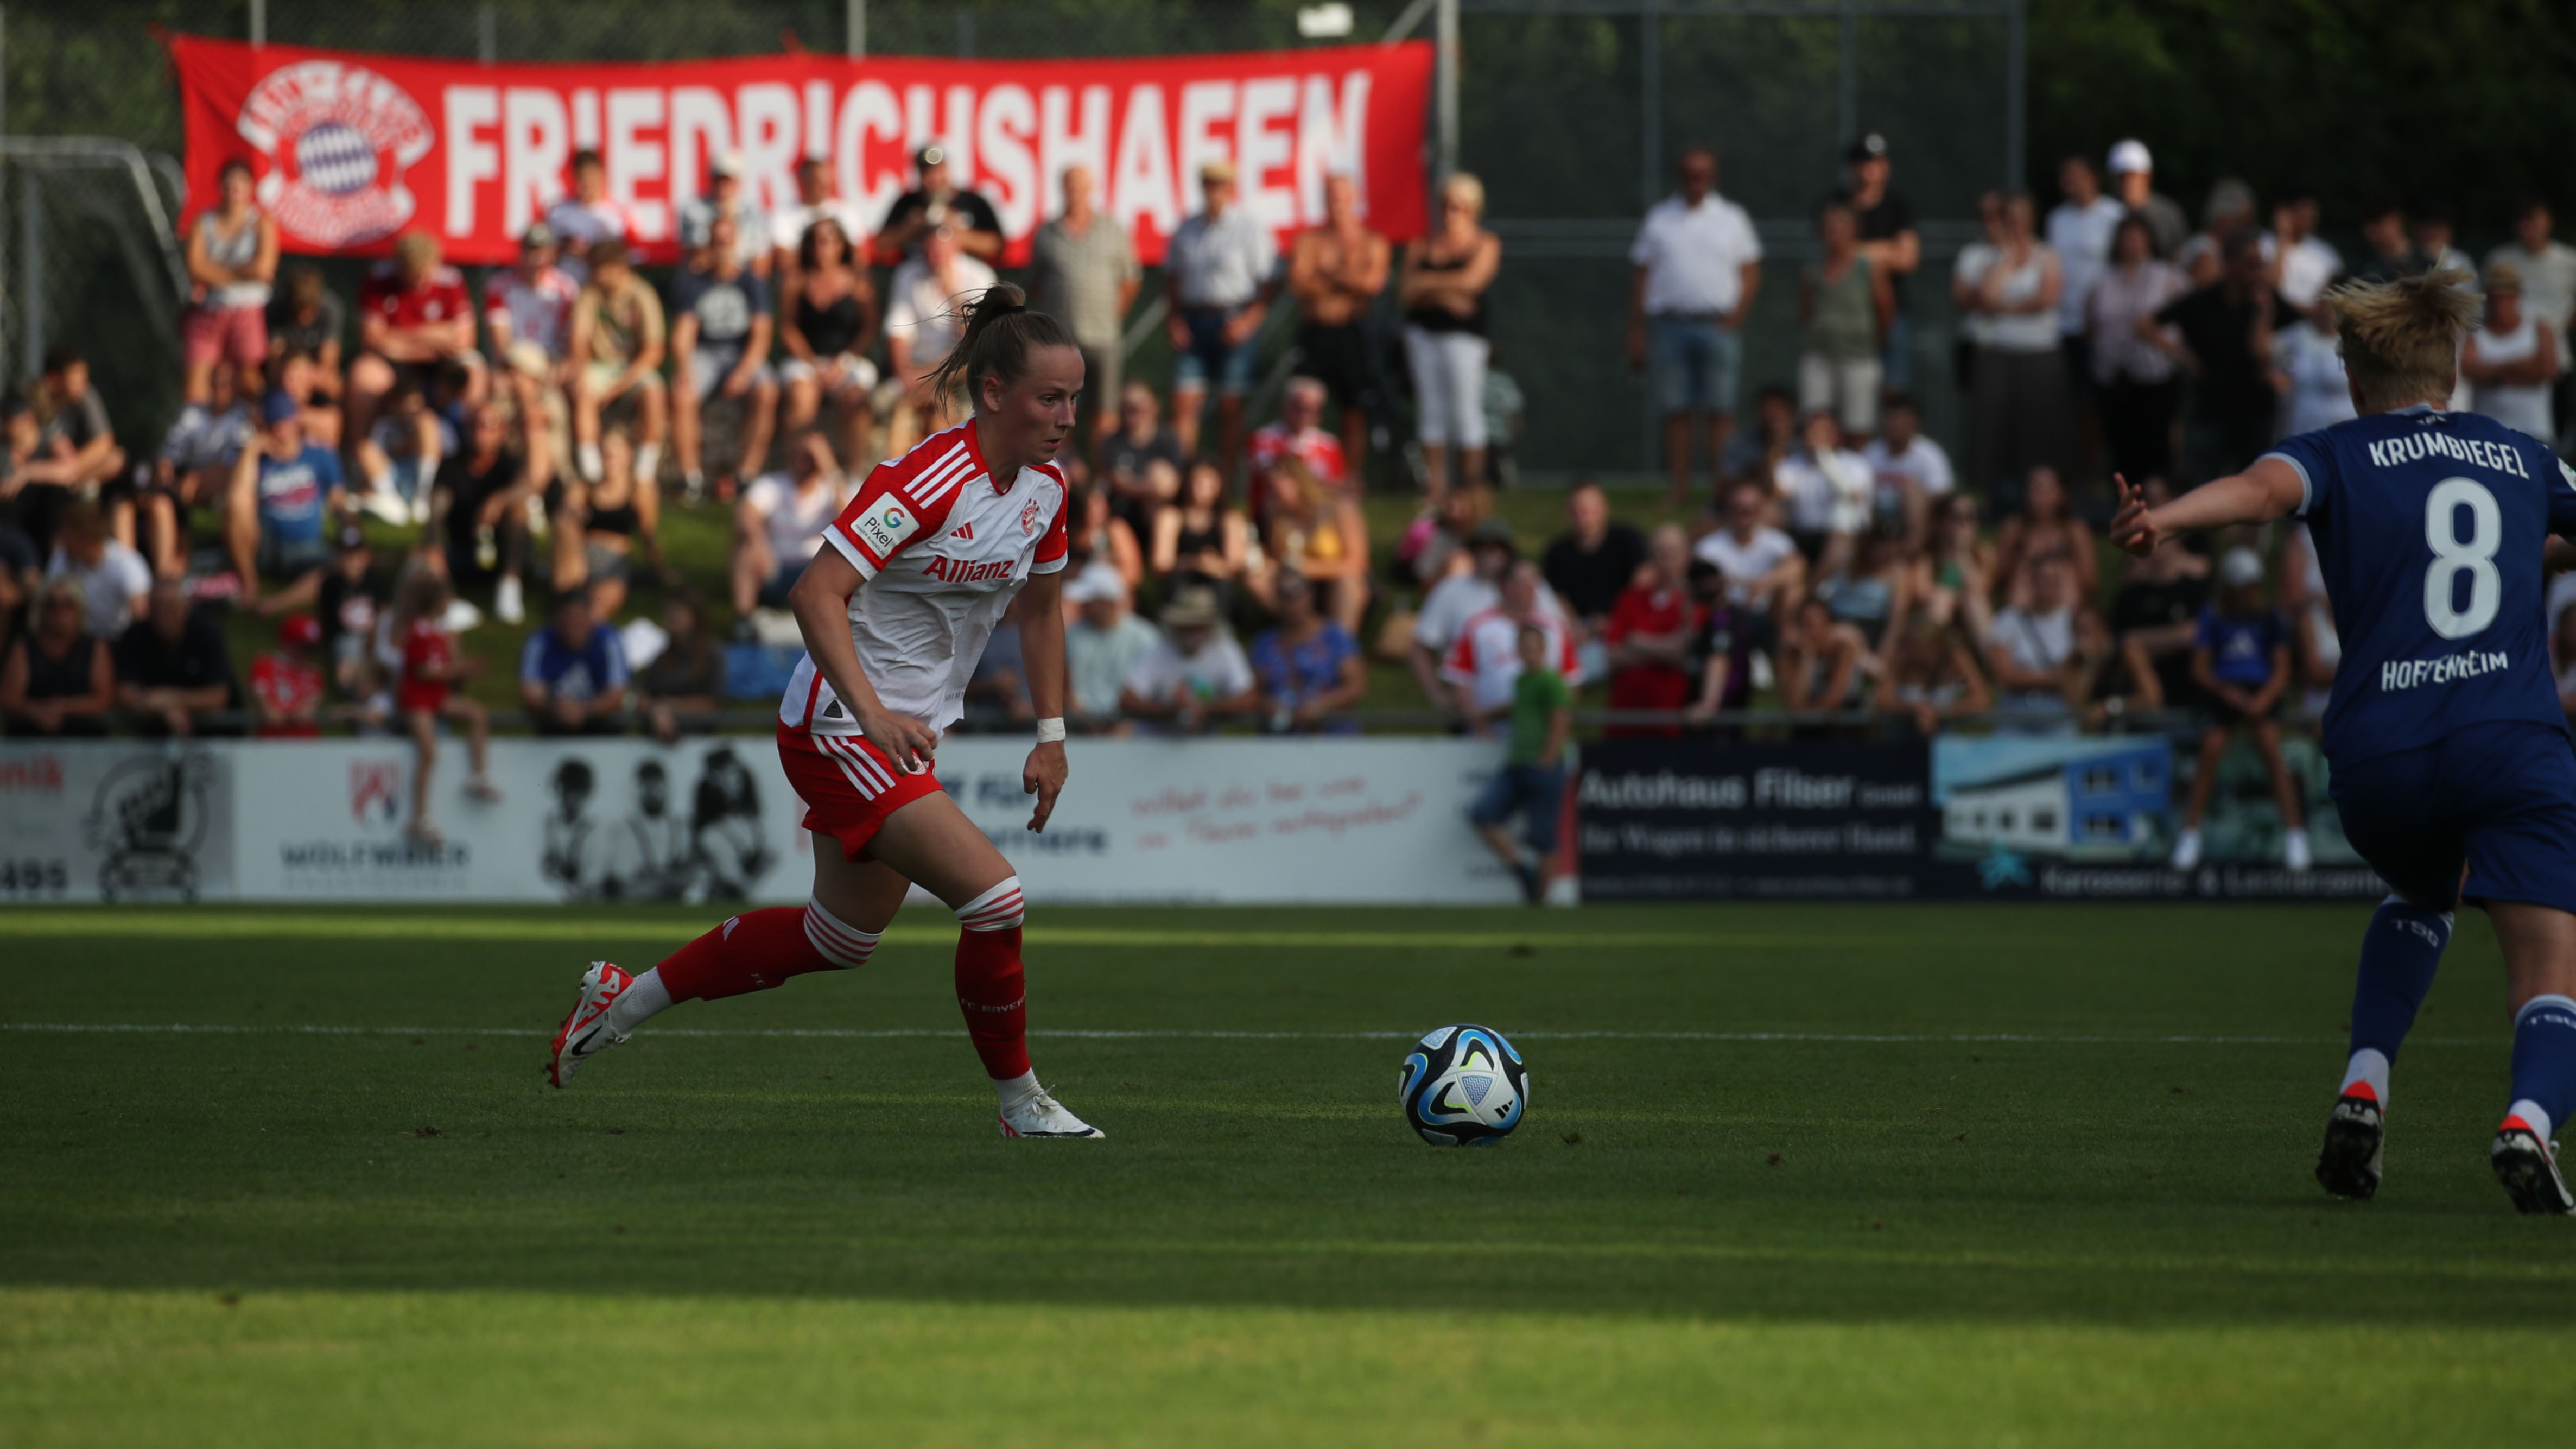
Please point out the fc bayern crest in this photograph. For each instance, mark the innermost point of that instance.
(338, 139)
(1029, 518)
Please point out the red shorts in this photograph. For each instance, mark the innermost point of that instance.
(848, 785)
(421, 694)
(210, 334)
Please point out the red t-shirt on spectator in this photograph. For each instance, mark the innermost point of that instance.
(441, 299)
(286, 685)
(427, 647)
(1320, 451)
(1643, 610)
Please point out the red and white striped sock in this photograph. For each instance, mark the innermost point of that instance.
(842, 944)
(991, 988)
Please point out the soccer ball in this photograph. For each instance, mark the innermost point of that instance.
(1463, 1086)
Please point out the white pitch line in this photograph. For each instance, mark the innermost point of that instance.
(848, 1033)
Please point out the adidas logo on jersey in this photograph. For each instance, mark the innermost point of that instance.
(959, 571)
(965, 531)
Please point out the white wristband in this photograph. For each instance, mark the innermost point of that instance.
(1051, 731)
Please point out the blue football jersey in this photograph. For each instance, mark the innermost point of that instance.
(2429, 527)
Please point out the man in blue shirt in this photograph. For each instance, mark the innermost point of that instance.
(572, 675)
(2448, 747)
(284, 489)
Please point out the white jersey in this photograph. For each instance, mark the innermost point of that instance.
(942, 547)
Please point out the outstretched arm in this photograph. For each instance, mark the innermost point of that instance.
(2270, 489)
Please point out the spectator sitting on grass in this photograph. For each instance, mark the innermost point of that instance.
(778, 525)
(1102, 644)
(2033, 648)
(1931, 675)
(285, 683)
(1828, 492)
(399, 456)
(1309, 667)
(2242, 660)
(1764, 570)
(1729, 639)
(599, 525)
(1594, 561)
(1195, 677)
(58, 679)
(1200, 542)
(1821, 661)
(1000, 683)
(1648, 635)
(195, 466)
(2157, 606)
(1142, 460)
(1909, 472)
(618, 340)
(684, 685)
(172, 668)
(478, 506)
(1096, 532)
(413, 317)
(1485, 658)
(572, 674)
(111, 577)
(305, 317)
(2043, 527)
(284, 489)
(25, 465)
(1460, 595)
(72, 423)
(1754, 454)
(2112, 676)
(1318, 532)
(1531, 782)
(720, 335)
(1954, 574)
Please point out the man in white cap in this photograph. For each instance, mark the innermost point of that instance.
(1104, 641)
(724, 198)
(2133, 174)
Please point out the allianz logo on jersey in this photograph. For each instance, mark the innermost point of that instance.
(2414, 447)
(2408, 673)
(962, 571)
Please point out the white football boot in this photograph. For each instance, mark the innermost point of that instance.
(1039, 1115)
(586, 1030)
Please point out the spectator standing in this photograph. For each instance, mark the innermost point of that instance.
(2302, 263)
(2307, 368)
(935, 201)
(427, 695)
(58, 679)
(527, 309)
(827, 322)
(478, 507)
(618, 342)
(2223, 335)
(2079, 233)
(924, 319)
(1975, 328)
(684, 685)
(751, 227)
(1219, 274)
(1889, 239)
(2434, 237)
(2133, 176)
(413, 317)
(1308, 668)
(194, 467)
(1531, 782)
(1593, 562)
(1083, 272)
(1442, 291)
(2032, 653)
(2228, 210)
(1486, 658)
(1845, 306)
(172, 669)
(2512, 361)
(2548, 271)
(1763, 570)
(1198, 541)
(285, 489)
(232, 261)
(1697, 266)
(2392, 247)
(1336, 272)
(2135, 370)
(572, 674)
(2242, 662)
(1648, 638)
(778, 526)
(589, 216)
(304, 316)
(814, 203)
(2019, 407)
(286, 690)
(1102, 645)
(720, 331)
(1195, 677)
(112, 577)
(1909, 473)
(1141, 461)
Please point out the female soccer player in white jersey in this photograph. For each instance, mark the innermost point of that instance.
(2444, 735)
(895, 613)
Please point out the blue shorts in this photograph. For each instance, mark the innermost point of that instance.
(1535, 792)
(1209, 358)
(1695, 363)
(2499, 798)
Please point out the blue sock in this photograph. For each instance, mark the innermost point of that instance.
(2398, 958)
(2544, 1062)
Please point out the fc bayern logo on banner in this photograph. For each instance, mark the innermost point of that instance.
(339, 138)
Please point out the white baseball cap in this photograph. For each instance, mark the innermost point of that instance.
(1096, 583)
(2130, 156)
(2241, 566)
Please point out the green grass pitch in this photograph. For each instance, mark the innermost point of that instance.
(1791, 1175)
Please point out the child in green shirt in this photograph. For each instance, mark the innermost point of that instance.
(1532, 779)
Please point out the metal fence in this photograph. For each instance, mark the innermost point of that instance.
(1572, 111)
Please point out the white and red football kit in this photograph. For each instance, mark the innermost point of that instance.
(942, 546)
(1486, 655)
(440, 298)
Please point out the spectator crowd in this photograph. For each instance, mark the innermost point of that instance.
(381, 474)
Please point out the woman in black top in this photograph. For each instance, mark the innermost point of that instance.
(1443, 294)
(58, 680)
(1198, 539)
(598, 526)
(827, 322)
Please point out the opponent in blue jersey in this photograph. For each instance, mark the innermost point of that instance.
(2447, 743)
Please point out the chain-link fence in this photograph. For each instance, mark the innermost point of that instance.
(1572, 111)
